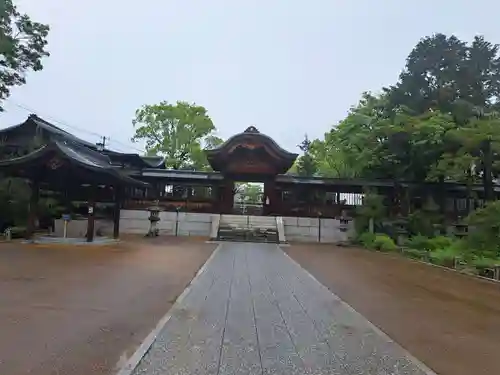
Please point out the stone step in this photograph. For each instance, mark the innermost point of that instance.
(226, 234)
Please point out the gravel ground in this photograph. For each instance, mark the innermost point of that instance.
(81, 310)
(255, 311)
(448, 320)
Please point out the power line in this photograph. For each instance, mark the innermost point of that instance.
(112, 140)
(63, 123)
(31, 110)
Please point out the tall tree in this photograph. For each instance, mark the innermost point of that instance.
(441, 70)
(330, 159)
(306, 165)
(22, 46)
(175, 131)
(198, 158)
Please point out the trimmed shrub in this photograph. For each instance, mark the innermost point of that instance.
(418, 242)
(445, 257)
(416, 254)
(441, 242)
(383, 242)
(367, 239)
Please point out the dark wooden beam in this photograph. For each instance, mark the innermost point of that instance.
(33, 208)
(91, 214)
(116, 212)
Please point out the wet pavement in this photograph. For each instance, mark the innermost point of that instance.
(448, 320)
(255, 311)
(78, 310)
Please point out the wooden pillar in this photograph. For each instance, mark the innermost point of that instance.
(227, 197)
(272, 202)
(91, 213)
(116, 211)
(33, 208)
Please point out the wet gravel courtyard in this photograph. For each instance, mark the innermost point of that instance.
(448, 320)
(82, 310)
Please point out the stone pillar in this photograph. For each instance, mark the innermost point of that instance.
(33, 209)
(91, 213)
(116, 211)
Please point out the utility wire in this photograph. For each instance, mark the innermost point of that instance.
(102, 138)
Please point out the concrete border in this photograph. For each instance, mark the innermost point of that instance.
(477, 277)
(427, 370)
(131, 364)
(400, 254)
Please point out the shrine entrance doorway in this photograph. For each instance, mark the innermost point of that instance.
(248, 198)
(251, 157)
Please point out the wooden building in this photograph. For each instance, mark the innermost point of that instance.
(55, 160)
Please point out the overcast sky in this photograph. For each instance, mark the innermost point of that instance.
(286, 66)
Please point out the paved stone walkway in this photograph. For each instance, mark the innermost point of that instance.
(255, 311)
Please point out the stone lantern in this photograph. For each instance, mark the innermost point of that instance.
(400, 226)
(154, 218)
(344, 222)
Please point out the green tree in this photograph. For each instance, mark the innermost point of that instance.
(330, 160)
(442, 70)
(175, 131)
(22, 46)
(199, 158)
(372, 144)
(306, 164)
(475, 153)
(250, 193)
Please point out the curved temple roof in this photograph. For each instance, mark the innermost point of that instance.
(251, 139)
(55, 133)
(78, 155)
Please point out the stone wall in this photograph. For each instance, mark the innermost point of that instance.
(304, 229)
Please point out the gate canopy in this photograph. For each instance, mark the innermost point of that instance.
(250, 153)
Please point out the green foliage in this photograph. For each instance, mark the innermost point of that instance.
(416, 254)
(377, 241)
(367, 239)
(481, 263)
(484, 237)
(418, 242)
(424, 243)
(250, 193)
(14, 200)
(306, 164)
(385, 243)
(441, 69)
(436, 123)
(177, 132)
(443, 242)
(446, 256)
(22, 46)
(372, 208)
(331, 161)
(419, 223)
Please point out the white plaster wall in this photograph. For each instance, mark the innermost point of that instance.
(78, 228)
(303, 229)
(188, 223)
(297, 229)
